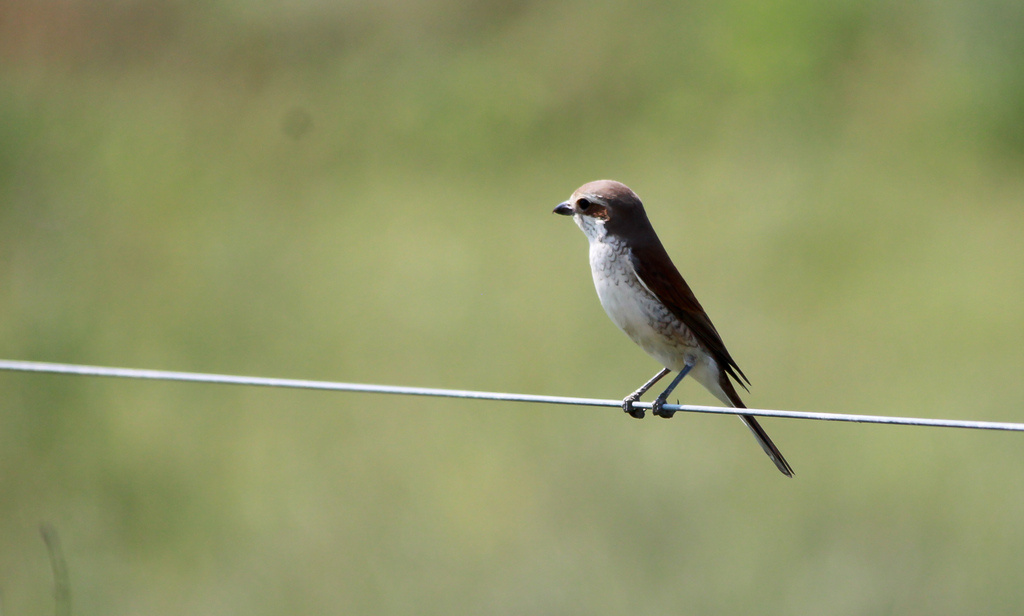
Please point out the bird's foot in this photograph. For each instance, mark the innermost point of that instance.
(658, 411)
(627, 406)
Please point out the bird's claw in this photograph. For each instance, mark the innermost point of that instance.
(627, 407)
(658, 411)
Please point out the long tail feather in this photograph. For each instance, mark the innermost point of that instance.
(755, 427)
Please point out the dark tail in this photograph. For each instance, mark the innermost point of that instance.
(762, 437)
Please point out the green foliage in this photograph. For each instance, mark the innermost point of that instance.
(362, 191)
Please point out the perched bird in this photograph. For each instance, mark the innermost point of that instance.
(647, 298)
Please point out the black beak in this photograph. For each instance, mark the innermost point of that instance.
(564, 209)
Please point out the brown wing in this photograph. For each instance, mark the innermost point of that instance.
(656, 271)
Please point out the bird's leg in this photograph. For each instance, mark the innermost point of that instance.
(656, 408)
(627, 402)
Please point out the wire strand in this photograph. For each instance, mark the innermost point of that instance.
(199, 377)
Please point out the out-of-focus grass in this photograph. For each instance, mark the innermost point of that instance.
(362, 192)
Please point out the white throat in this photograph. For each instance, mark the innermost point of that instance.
(592, 227)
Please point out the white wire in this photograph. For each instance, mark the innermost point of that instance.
(198, 377)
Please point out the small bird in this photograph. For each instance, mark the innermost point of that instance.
(646, 297)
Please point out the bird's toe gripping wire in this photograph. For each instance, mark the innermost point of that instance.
(663, 396)
(627, 407)
(627, 402)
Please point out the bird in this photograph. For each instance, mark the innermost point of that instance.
(648, 299)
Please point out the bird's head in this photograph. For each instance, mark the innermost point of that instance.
(604, 207)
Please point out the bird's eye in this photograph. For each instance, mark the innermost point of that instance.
(583, 204)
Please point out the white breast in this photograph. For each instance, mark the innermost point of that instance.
(634, 309)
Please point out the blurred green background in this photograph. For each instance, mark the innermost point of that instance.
(361, 191)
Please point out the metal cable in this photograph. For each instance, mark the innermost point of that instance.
(198, 377)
